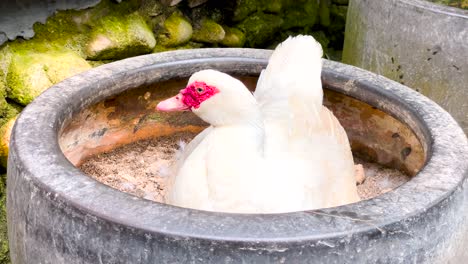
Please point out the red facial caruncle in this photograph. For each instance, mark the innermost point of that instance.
(190, 97)
(196, 93)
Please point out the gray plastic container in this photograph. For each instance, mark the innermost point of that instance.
(417, 43)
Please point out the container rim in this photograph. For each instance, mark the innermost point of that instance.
(35, 152)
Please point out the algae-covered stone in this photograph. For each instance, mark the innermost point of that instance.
(260, 28)
(272, 6)
(324, 12)
(5, 132)
(30, 72)
(463, 4)
(189, 45)
(243, 8)
(300, 13)
(339, 11)
(118, 37)
(208, 31)
(3, 103)
(233, 37)
(4, 107)
(2, 85)
(177, 30)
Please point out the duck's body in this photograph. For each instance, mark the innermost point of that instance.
(276, 151)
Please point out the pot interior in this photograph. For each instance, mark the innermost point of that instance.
(374, 135)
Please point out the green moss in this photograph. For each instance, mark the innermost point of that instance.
(463, 4)
(189, 45)
(208, 31)
(4, 253)
(118, 37)
(66, 29)
(339, 11)
(301, 13)
(243, 8)
(4, 107)
(71, 29)
(30, 72)
(233, 37)
(260, 28)
(98, 63)
(3, 103)
(177, 30)
(272, 6)
(5, 131)
(324, 12)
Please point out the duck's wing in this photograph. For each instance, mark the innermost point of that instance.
(289, 92)
(188, 149)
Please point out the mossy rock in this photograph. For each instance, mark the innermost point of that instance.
(4, 252)
(463, 4)
(260, 28)
(5, 132)
(300, 13)
(339, 11)
(208, 31)
(2, 85)
(340, 2)
(3, 103)
(30, 72)
(243, 8)
(233, 37)
(324, 12)
(71, 28)
(272, 6)
(177, 31)
(239, 10)
(118, 37)
(4, 107)
(189, 45)
(64, 29)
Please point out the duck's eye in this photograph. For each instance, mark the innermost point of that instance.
(199, 89)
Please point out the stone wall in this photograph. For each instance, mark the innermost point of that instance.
(73, 41)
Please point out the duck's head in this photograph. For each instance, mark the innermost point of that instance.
(215, 97)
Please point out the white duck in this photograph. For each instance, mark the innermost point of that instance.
(279, 150)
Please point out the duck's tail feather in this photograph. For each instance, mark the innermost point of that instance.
(294, 69)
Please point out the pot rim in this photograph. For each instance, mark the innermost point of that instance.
(36, 133)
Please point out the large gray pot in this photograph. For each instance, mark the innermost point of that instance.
(56, 214)
(418, 43)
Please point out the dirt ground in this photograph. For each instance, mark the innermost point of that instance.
(141, 169)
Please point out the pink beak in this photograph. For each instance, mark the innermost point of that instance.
(172, 104)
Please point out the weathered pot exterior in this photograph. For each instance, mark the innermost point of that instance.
(56, 214)
(415, 42)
